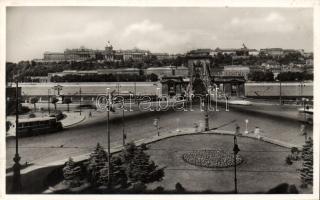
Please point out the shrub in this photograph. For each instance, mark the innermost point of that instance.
(143, 147)
(284, 188)
(180, 188)
(293, 189)
(8, 125)
(32, 115)
(306, 173)
(139, 187)
(295, 153)
(288, 160)
(158, 190)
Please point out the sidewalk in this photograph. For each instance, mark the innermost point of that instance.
(72, 119)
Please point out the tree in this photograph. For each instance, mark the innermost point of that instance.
(71, 173)
(153, 77)
(142, 169)
(97, 161)
(118, 174)
(306, 173)
(261, 76)
(268, 76)
(67, 101)
(54, 101)
(128, 152)
(139, 167)
(33, 101)
(199, 89)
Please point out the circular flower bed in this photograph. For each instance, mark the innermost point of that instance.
(211, 158)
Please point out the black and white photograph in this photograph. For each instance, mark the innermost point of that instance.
(115, 100)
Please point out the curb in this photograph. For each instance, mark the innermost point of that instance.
(76, 123)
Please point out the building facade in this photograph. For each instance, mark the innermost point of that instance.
(54, 56)
(80, 54)
(236, 71)
(83, 54)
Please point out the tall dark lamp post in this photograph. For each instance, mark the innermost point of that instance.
(49, 101)
(124, 136)
(108, 135)
(206, 116)
(305, 100)
(280, 88)
(16, 184)
(80, 100)
(235, 152)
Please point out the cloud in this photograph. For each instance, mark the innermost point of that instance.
(144, 27)
(153, 36)
(90, 32)
(274, 17)
(272, 22)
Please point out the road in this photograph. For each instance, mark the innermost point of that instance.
(81, 139)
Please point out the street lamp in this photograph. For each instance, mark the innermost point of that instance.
(124, 136)
(303, 126)
(80, 100)
(305, 100)
(235, 152)
(156, 124)
(178, 121)
(108, 135)
(49, 101)
(206, 116)
(280, 88)
(303, 131)
(16, 185)
(246, 131)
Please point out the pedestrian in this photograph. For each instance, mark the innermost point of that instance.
(196, 126)
(257, 131)
(90, 114)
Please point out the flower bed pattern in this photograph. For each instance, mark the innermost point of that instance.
(211, 158)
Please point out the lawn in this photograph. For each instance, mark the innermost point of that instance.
(263, 165)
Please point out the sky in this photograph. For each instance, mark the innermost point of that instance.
(33, 30)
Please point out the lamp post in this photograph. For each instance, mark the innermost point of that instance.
(80, 100)
(235, 152)
(124, 136)
(108, 136)
(280, 88)
(16, 185)
(156, 124)
(178, 121)
(246, 131)
(206, 116)
(305, 100)
(49, 101)
(135, 85)
(304, 131)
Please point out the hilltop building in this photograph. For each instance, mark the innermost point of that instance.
(83, 54)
